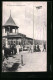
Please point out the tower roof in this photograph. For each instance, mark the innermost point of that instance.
(10, 22)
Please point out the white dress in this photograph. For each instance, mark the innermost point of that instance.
(17, 47)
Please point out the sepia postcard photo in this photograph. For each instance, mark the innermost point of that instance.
(24, 36)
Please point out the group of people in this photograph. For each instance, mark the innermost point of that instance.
(9, 51)
(36, 48)
(14, 49)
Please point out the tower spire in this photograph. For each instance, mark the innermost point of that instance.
(10, 12)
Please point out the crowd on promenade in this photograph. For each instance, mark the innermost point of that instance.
(15, 49)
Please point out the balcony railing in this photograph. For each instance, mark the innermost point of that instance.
(12, 33)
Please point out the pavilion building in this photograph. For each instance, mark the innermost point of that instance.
(11, 35)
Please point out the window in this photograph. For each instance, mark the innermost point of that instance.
(10, 30)
(9, 42)
(14, 42)
(3, 41)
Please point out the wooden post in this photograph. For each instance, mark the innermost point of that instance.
(22, 59)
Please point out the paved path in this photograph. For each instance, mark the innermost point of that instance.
(33, 62)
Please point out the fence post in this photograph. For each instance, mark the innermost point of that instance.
(22, 60)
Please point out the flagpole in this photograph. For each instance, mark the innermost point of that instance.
(39, 7)
(33, 28)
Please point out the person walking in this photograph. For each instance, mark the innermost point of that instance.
(32, 48)
(29, 48)
(17, 47)
(44, 47)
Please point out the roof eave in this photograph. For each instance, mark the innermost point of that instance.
(10, 26)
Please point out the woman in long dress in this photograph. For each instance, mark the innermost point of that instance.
(17, 47)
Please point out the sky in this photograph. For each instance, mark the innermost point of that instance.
(31, 21)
